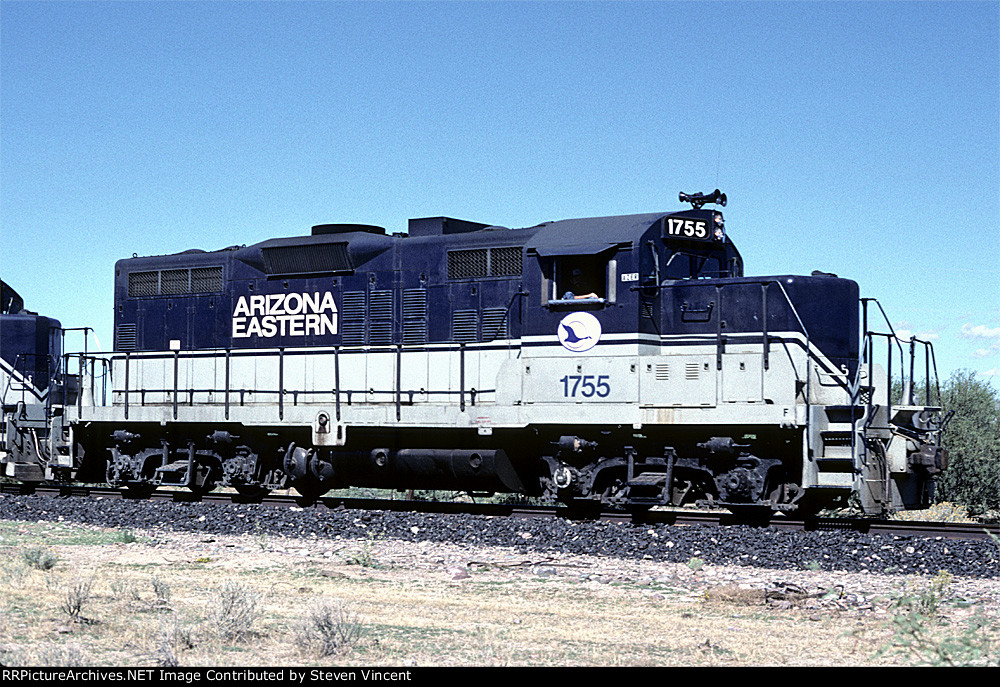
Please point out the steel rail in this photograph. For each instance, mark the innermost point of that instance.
(673, 517)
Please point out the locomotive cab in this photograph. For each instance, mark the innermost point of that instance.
(693, 245)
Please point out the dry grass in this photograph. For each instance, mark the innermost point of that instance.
(939, 512)
(247, 602)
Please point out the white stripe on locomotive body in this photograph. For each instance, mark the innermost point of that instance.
(628, 379)
(16, 386)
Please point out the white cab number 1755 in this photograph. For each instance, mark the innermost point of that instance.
(688, 228)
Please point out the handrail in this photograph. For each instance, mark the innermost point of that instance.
(888, 378)
(25, 372)
(83, 360)
(893, 336)
(808, 350)
(765, 283)
(173, 390)
(930, 361)
(887, 323)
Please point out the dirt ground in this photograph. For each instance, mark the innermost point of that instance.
(150, 598)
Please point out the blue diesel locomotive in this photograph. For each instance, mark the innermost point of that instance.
(32, 392)
(613, 360)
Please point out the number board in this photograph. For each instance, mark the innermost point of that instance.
(697, 225)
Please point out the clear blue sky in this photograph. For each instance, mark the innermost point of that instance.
(861, 138)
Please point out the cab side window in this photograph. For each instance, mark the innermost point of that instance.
(689, 265)
(580, 277)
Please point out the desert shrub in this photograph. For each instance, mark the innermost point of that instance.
(328, 629)
(172, 638)
(74, 597)
(40, 559)
(234, 611)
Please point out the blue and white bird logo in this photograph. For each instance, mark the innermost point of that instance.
(579, 332)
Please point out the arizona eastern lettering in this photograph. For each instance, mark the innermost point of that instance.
(285, 314)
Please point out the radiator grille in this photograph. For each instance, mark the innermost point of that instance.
(465, 325)
(310, 258)
(206, 279)
(143, 284)
(125, 339)
(505, 262)
(414, 316)
(174, 282)
(495, 324)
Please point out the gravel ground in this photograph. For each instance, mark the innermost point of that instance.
(750, 547)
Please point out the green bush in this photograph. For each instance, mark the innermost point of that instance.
(923, 638)
(40, 559)
(972, 438)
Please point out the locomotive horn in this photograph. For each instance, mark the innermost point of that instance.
(699, 199)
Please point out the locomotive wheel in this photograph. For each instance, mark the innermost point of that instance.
(750, 512)
(583, 509)
(138, 490)
(203, 488)
(205, 479)
(310, 492)
(252, 492)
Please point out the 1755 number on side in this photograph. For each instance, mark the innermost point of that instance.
(586, 386)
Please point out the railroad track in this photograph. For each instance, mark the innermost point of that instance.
(675, 517)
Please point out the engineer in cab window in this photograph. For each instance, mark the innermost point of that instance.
(579, 286)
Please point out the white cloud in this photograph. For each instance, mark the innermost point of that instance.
(980, 331)
(907, 334)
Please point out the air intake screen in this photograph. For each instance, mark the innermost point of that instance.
(354, 318)
(319, 257)
(414, 316)
(505, 262)
(463, 264)
(143, 284)
(175, 282)
(484, 262)
(380, 318)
